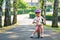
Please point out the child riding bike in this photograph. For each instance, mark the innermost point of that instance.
(38, 20)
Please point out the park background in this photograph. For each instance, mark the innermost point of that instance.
(10, 9)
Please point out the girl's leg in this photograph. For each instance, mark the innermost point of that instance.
(41, 30)
(34, 31)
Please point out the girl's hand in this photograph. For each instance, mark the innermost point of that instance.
(36, 22)
(33, 22)
(44, 21)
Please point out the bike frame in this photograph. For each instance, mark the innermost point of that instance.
(38, 32)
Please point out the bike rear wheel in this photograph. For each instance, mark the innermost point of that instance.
(38, 33)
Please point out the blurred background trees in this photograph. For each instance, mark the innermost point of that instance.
(55, 14)
(14, 11)
(7, 20)
(1, 2)
(50, 10)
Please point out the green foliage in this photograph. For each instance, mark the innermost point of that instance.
(21, 4)
(40, 3)
(59, 9)
(33, 9)
(1, 1)
(31, 14)
(27, 10)
(48, 17)
(48, 8)
(20, 11)
(58, 18)
(40, 0)
(50, 0)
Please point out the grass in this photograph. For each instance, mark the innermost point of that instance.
(3, 29)
(57, 30)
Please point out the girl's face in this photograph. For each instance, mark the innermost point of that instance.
(38, 14)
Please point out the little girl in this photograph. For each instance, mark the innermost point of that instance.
(38, 19)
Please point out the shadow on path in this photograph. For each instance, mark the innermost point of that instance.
(22, 32)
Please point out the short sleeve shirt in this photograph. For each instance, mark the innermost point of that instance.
(39, 19)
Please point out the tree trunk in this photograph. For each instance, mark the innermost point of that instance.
(1, 2)
(0, 17)
(42, 7)
(7, 20)
(45, 10)
(55, 14)
(15, 12)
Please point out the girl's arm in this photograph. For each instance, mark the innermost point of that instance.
(43, 20)
(34, 20)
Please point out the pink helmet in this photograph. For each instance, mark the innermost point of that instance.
(37, 11)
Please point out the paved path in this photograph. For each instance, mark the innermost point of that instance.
(24, 29)
(22, 32)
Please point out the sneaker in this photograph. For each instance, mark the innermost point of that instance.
(31, 36)
(41, 36)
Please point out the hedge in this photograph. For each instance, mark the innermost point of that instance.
(59, 18)
(20, 12)
(48, 17)
(31, 15)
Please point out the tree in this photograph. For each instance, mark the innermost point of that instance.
(39, 3)
(55, 14)
(50, 0)
(14, 12)
(7, 20)
(1, 2)
(43, 8)
(21, 4)
(40, 6)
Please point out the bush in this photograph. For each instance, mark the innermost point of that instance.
(48, 8)
(20, 11)
(27, 10)
(59, 9)
(12, 13)
(31, 15)
(33, 9)
(48, 17)
(58, 18)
